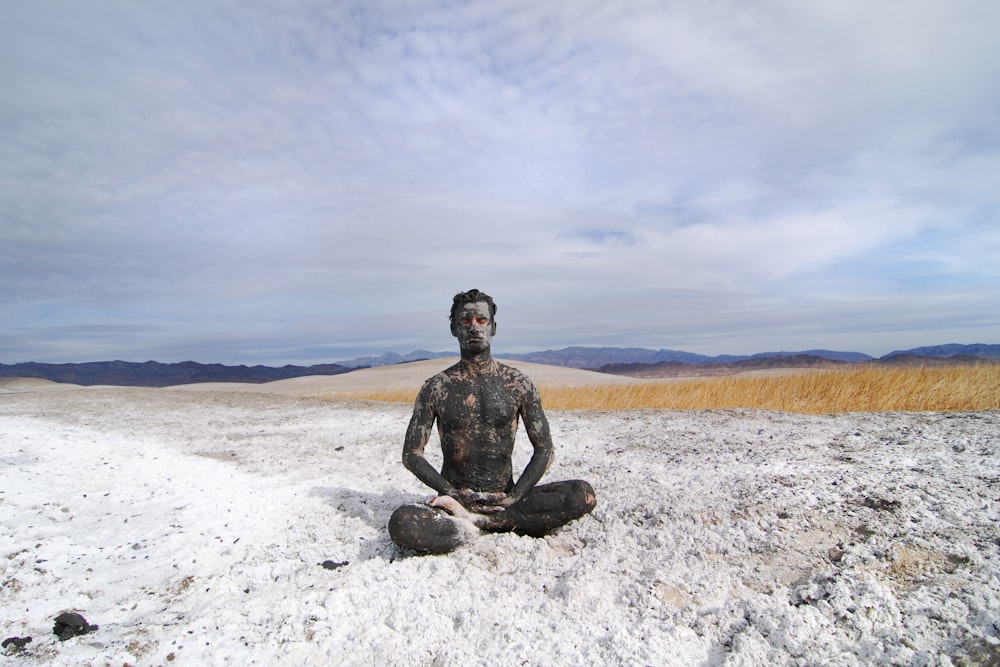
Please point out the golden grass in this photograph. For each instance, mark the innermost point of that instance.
(858, 389)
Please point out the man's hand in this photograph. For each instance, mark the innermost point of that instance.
(481, 502)
(452, 507)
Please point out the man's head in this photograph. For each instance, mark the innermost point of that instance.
(473, 320)
(472, 296)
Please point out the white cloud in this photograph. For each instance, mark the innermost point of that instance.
(189, 166)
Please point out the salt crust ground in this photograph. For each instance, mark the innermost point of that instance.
(190, 526)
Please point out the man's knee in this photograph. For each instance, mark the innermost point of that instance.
(428, 531)
(567, 500)
(581, 497)
(552, 506)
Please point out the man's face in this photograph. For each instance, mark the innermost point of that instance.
(473, 327)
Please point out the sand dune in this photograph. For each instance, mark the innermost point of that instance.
(12, 385)
(404, 376)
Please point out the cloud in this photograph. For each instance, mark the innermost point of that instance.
(294, 176)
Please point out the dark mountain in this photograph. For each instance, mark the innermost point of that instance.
(823, 354)
(593, 357)
(978, 350)
(905, 359)
(680, 369)
(392, 358)
(815, 359)
(155, 374)
(597, 357)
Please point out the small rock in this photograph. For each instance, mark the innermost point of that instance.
(16, 642)
(71, 624)
(332, 565)
(881, 504)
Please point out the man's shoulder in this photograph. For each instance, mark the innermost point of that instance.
(509, 370)
(515, 376)
(445, 376)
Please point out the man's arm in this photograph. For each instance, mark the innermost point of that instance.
(537, 428)
(417, 435)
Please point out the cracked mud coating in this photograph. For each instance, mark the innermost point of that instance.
(477, 405)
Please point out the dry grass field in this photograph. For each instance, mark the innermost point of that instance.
(861, 389)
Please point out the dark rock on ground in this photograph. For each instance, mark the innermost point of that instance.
(17, 642)
(71, 624)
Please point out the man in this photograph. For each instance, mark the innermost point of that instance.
(477, 404)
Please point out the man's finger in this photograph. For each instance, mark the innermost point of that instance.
(487, 509)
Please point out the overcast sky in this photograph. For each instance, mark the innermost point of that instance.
(301, 182)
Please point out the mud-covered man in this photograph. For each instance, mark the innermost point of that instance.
(477, 404)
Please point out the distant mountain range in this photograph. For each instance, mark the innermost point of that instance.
(977, 350)
(155, 374)
(635, 361)
(392, 358)
(596, 357)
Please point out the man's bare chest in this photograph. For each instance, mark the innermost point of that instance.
(488, 402)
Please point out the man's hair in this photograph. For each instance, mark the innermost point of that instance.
(472, 296)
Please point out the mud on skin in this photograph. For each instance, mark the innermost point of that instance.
(477, 404)
(477, 415)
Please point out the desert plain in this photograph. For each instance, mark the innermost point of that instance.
(245, 524)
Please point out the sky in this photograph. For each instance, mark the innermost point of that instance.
(278, 181)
